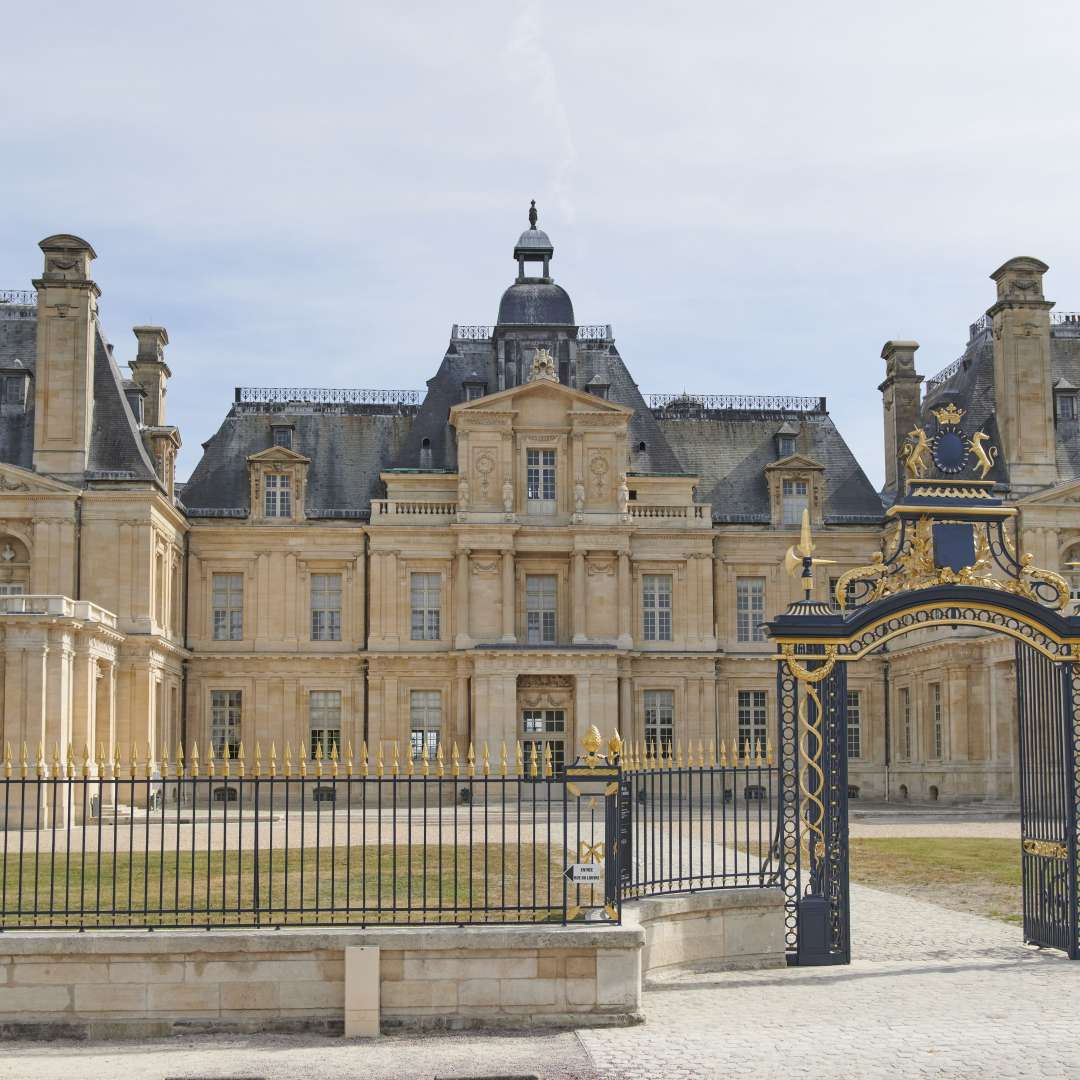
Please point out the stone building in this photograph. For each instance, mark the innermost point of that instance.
(529, 547)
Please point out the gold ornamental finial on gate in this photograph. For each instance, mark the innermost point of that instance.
(591, 742)
(801, 555)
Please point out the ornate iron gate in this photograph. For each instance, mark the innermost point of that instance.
(1046, 717)
(952, 560)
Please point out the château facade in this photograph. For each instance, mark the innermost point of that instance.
(527, 548)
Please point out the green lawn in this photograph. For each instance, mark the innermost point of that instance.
(448, 886)
(966, 874)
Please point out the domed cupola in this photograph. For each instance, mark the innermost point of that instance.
(535, 301)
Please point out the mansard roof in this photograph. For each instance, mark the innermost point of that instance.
(115, 443)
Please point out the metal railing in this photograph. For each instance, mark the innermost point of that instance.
(477, 332)
(18, 296)
(382, 838)
(688, 404)
(314, 395)
(935, 382)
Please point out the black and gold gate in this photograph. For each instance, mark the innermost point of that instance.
(952, 561)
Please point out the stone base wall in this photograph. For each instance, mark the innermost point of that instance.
(103, 984)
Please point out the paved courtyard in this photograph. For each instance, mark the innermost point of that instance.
(931, 993)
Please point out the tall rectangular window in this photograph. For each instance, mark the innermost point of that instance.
(854, 724)
(324, 721)
(540, 599)
(749, 609)
(937, 717)
(659, 720)
(796, 500)
(325, 607)
(425, 591)
(905, 747)
(226, 707)
(228, 607)
(540, 480)
(425, 722)
(753, 721)
(656, 607)
(277, 490)
(545, 735)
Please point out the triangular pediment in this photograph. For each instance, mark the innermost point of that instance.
(15, 481)
(506, 400)
(1065, 494)
(795, 461)
(278, 455)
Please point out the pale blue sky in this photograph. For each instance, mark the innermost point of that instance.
(756, 196)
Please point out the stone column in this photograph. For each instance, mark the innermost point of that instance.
(60, 692)
(462, 640)
(508, 605)
(579, 628)
(625, 603)
(85, 700)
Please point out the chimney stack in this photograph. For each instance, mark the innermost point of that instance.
(900, 401)
(151, 373)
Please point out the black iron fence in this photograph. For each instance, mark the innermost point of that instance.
(385, 838)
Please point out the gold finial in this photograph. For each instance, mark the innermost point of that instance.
(520, 760)
(303, 756)
(56, 758)
(334, 759)
(24, 761)
(195, 758)
(424, 764)
(165, 761)
(768, 752)
(210, 759)
(258, 760)
(379, 767)
(133, 760)
(487, 761)
(455, 761)
(592, 742)
(394, 766)
(502, 760)
(240, 763)
(7, 761)
(363, 757)
(759, 756)
(712, 753)
(949, 414)
(549, 766)
(273, 760)
(470, 759)
(318, 759)
(86, 761)
(723, 754)
(440, 763)
(226, 757)
(678, 754)
(288, 759)
(534, 761)
(799, 560)
(614, 745)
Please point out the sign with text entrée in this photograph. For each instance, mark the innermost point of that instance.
(580, 873)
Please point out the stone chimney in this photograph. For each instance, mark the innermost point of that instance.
(900, 400)
(151, 373)
(64, 375)
(1023, 391)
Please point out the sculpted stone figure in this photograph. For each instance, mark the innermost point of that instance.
(579, 498)
(463, 493)
(508, 496)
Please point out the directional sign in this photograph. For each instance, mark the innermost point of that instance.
(583, 873)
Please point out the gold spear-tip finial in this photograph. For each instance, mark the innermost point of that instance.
(799, 560)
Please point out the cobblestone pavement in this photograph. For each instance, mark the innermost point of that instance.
(931, 993)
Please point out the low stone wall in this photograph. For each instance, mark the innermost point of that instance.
(717, 930)
(102, 984)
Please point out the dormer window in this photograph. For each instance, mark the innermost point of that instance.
(282, 435)
(785, 440)
(13, 389)
(277, 493)
(599, 387)
(475, 387)
(425, 453)
(1065, 404)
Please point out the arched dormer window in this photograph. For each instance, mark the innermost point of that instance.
(425, 453)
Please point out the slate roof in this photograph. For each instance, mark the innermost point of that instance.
(115, 443)
(729, 450)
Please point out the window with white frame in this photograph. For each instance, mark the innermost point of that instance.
(425, 593)
(228, 607)
(796, 498)
(11, 589)
(325, 607)
(904, 701)
(937, 719)
(541, 592)
(659, 721)
(277, 495)
(749, 609)
(545, 735)
(540, 481)
(425, 722)
(324, 721)
(656, 607)
(854, 724)
(753, 721)
(226, 708)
